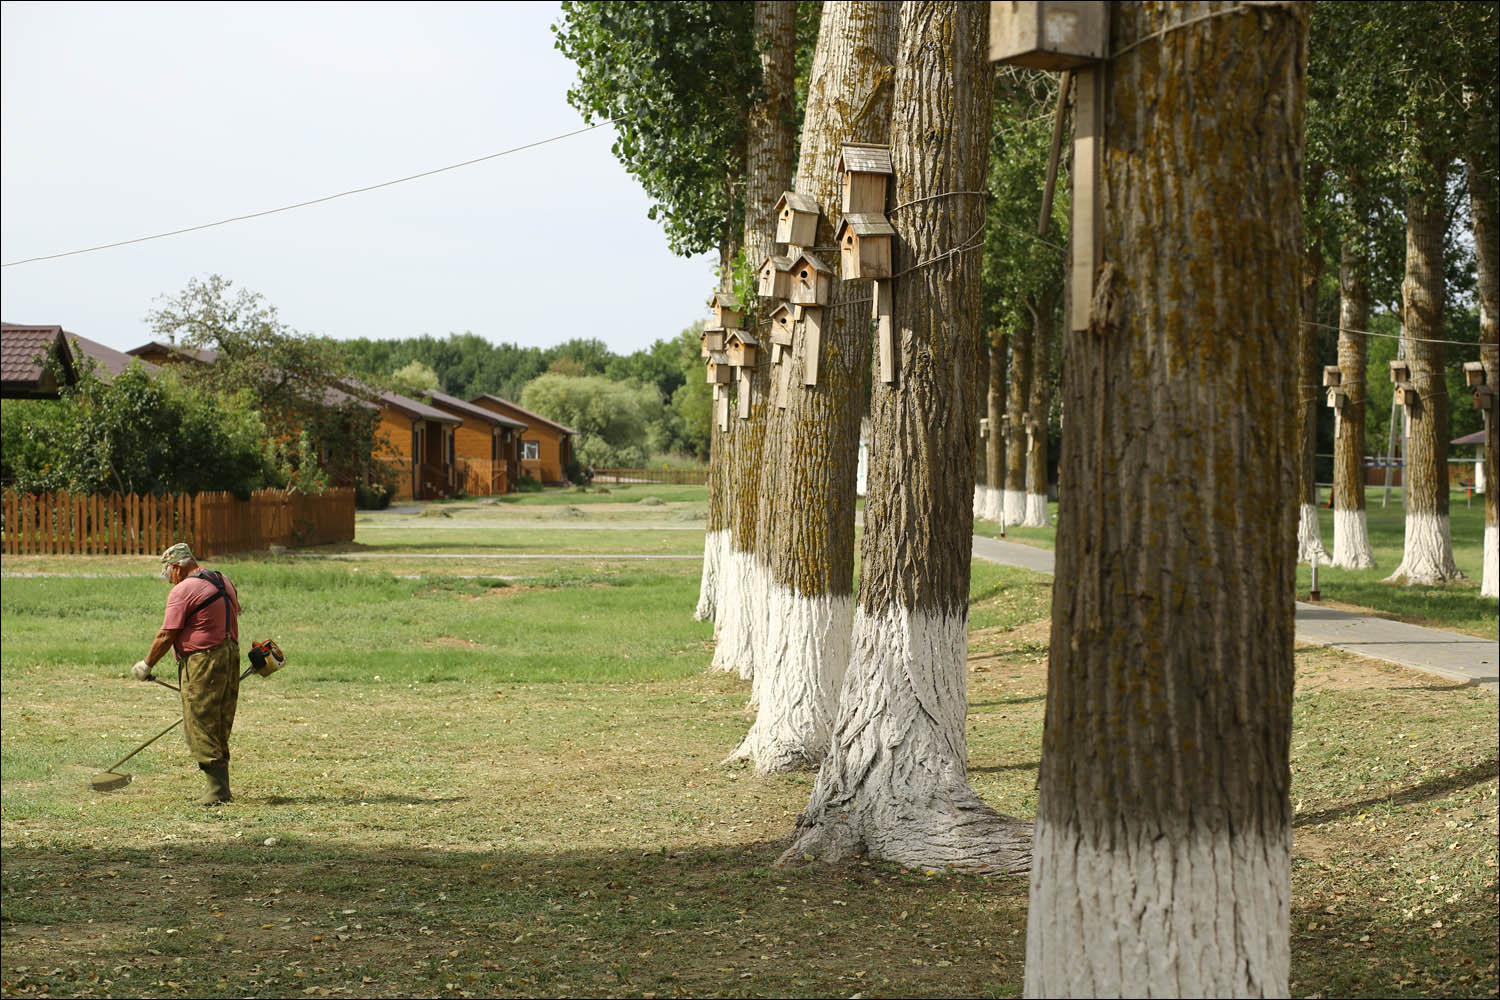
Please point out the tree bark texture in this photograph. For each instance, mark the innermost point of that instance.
(1482, 207)
(994, 445)
(893, 786)
(981, 471)
(1309, 396)
(1427, 554)
(811, 448)
(770, 148)
(1162, 859)
(1038, 401)
(1351, 535)
(1018, 391)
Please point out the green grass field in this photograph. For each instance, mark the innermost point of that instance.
(468, 784)
(1456, 605)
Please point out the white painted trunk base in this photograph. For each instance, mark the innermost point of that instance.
(1351, 540)
(796, 677)
(1309, 536)
(1143, 914)
(1427, 553)
(1036, 511)
(715, 544)
(1015, 506)
(893, 787)
(994, 505)
(734, 643)
(1489, 583)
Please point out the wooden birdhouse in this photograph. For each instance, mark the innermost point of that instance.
(727, 311)
(1486, 400)
(775, 277)
(740, 347)
(1049, 34)
(811, 280)
(718, 368)
(1338, 399)
(1406, 394)
(783, 322)
(865, 247)
(1400, 371)
(797, 220)
(713, 339)
(1332, 376)
(866, 169)
(1473, 373)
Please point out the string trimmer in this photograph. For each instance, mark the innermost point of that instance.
(265, 659)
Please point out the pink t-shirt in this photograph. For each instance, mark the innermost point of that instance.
(205, 627)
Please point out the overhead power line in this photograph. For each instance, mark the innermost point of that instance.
(1390, 336)
(314, 201)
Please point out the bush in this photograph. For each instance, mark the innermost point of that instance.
(529, 484)
(375, 496)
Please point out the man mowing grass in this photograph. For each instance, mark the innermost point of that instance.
(202, 628)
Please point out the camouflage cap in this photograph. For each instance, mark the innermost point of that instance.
(174, 555)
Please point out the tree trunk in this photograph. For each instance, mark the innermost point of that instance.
(1038, 402)
(982, 379)
(768, 170)
(1162, 862)
(1309, 396)
(716, 538)
(1351, 535)
(1015, 424)
(994, 445)
(1482, 207)
(1427, 556)
(893, 787)
(806, 544)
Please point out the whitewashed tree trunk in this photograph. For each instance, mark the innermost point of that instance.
(1309, 395)
(1480, 164)
(994, 445)
(769, 151)
(893, 785)
(1015, 424)
(806, 534)
(1042, 312)
(1162, 863)
(1309, 535)
(715, 543)
(1427, 554)
(1351, 534)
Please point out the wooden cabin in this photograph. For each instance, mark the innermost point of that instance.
(35, 362)
(546, 446)
(418, 440)
(487, 447)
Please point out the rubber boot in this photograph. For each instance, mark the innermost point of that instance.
(217, 776)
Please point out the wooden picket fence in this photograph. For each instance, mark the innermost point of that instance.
(674, 477)
(212, 523)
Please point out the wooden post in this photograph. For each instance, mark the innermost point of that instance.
(744, 400)
(880, 309)
(1088, 143)
(812, 338)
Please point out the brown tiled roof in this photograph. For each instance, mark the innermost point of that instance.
(24, 351)
(453, 404)
(27, 338)
(200, 355)
(110, 360)
(533, 418)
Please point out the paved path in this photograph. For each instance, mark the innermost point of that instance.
(1458, 657)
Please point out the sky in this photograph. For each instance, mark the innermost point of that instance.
(123, 120)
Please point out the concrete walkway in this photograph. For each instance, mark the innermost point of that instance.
(1458, 657)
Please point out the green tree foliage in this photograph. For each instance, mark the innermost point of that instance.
(466, 363)
(679, 79)
(137, 433)
(414, 379)
(610, 418)
(295, 382)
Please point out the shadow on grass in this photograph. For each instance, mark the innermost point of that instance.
(1421, 792)
(303, 916)
(997, 768)
(1008, 701)
(350, 800)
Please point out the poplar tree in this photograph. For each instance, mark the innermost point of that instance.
(893, 786)
(1162, 861)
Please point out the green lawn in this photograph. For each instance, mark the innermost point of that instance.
(466, 785)
(1456, 605)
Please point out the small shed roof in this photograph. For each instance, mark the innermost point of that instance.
(181, 352)
(865, 158)
(865, 224)
(798, 203)
(453, 404)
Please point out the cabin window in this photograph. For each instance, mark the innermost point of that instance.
(531, 451)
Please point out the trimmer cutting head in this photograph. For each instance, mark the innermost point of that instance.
(109, 781)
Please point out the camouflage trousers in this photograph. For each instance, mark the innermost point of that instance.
(210, 682)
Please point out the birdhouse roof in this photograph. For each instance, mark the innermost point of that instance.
(865, 158)
(780, 263)
(712, 329)
(812, 262)
(726, 300)
(798, 203)
(742, 337)
(866, 224)
(785, 307)
(718, 358)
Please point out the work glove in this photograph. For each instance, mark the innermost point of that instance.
(140, 671)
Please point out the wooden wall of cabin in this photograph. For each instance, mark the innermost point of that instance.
(394, 434)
